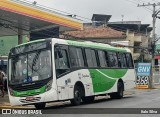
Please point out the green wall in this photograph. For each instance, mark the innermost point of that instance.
(7, 42)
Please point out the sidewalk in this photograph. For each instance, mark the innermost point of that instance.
(4, 101)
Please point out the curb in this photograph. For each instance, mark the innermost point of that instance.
(7, 105)
(15, 107)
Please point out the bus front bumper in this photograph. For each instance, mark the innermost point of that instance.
(48, 96)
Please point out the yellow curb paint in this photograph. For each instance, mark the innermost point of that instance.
(16, 107)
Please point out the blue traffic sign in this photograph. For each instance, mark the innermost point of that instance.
(144, 69)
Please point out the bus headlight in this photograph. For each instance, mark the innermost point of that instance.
(49, 85)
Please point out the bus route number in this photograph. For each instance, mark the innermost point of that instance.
(142, 80)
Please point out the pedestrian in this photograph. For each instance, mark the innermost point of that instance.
(1, 83)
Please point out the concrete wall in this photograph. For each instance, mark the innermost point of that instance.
(137, 39)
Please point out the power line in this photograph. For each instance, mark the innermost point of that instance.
(132, 1)
(148, 9)
(141, 1)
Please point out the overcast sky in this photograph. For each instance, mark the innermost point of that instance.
(116, 8)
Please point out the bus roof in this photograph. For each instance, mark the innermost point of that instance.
(39, 40)
(96, 45)
(81, 43)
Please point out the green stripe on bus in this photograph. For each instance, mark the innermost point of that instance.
(105, 79)
(29, 92)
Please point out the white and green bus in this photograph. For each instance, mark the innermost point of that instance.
(51, 70)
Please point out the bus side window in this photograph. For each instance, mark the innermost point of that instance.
(129, 60)
(113, 59)
(76, 57)
(102, 58)
(119, 60)
(91, 58)
(61, 60)
(122, 58)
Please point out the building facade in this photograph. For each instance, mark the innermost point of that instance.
(136, 34)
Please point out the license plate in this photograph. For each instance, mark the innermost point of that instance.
(29, 98)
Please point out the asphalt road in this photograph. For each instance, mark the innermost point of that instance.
(136, 99)
(149, 99)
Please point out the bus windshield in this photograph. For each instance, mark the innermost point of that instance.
(30, 67)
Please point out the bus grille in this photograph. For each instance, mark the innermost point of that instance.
(36, 85)
(29, 87)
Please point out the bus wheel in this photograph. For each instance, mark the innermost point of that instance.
(77, 96)
(119, 94)
(40, 105)
(88, 99)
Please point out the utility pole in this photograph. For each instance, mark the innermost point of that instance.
(154, 15)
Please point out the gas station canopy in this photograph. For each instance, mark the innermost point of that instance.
(18, 16)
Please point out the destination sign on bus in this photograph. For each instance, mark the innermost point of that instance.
(30, 47)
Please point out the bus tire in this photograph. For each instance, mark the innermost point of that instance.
(119, 93)
(88, 99)
(78, 92)
(40, 105)
(120, 90)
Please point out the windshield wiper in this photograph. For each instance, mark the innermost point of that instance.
(35, 60)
